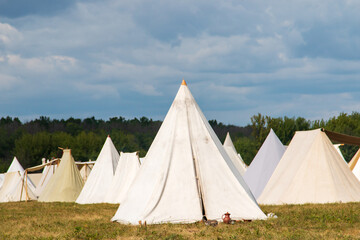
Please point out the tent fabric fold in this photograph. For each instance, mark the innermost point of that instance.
(101, 176)
(66, 184)
(186, 174)
(127, 168)
(311, 171)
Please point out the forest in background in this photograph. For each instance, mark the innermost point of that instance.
(41, 138)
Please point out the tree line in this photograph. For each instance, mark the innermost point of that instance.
(41, 138)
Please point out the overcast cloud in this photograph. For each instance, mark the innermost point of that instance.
(127, 58)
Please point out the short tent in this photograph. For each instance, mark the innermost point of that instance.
(263, 165)
(15, 166)
(15, 188)
(187, 175)
(128, 167)
(311, 171)
(234, 156)
(101, 176)
(66, 184)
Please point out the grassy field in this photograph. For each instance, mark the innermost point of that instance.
(35, 220)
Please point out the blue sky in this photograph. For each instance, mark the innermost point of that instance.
(127, 58)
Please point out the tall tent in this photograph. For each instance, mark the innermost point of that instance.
(66, 184)
(187, 174)
(354, 164)
(311, 171)
(15, 166)
(263, 165)
(128, 167)
(101, 176)
(234, 156)
(15, 188)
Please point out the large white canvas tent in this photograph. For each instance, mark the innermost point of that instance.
(128, 166)
(311, 171)
(263, 165)
(66, 184)
(101, 175)
(234, 156)
(2, 175)
(187, 174)
(354, 164)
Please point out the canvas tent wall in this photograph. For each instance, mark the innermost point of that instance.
(14, 189)
(128, 167)
(311, 171)
(234, 156)
(101, 176)
(66, 184)
(264, 163)
(187, 174)
(2, 175)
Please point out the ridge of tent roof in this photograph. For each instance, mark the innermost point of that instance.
(183, 82)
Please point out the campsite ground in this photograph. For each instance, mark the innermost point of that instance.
(34, 220)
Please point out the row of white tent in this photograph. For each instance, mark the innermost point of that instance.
(188, 175)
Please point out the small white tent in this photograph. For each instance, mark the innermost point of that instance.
(187, 174)
(311, 171)
(234, 156)
(15, 166)
(66, 184)
(101, 175)
(264, 163)
(128, 166)
(14, 189)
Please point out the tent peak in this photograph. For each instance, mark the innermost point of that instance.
(183, 82)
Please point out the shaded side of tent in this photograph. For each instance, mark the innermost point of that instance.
(264, 163)
(311, 171)
(354, 165)
(126, 171)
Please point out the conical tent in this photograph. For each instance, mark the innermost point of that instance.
(15, 166)
(187, 174)
(14, 189)
(234, 156)
(311, 171)
(101, 176)
(66, 184)
(128, 167)
(354, 165)
(263, 165)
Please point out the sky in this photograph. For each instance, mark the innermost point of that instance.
(106, 58)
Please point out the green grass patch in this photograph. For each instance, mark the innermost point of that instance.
(34, 220)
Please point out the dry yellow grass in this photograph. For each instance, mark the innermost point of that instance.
(35, 220)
